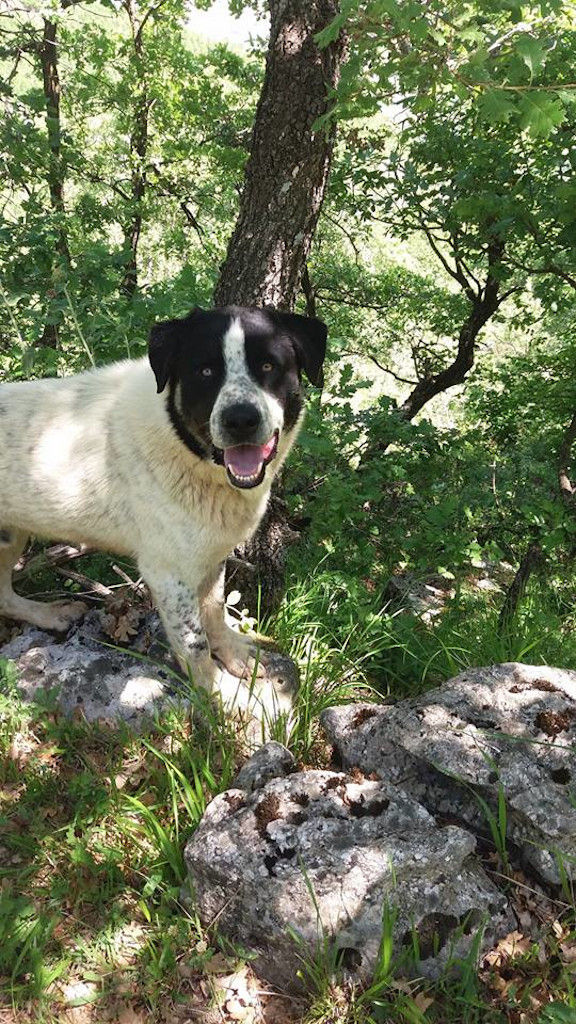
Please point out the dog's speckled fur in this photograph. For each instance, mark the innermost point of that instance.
(130, 460)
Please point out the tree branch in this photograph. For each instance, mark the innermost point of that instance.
(346, 299)
(455, 272)
(385, 369)
(191, 219)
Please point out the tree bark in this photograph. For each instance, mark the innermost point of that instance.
(309, 293)
(51, 84)
(531, 560)
(48, 51)
(138, 154)
(284, 185)
(287, 171)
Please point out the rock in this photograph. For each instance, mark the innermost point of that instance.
(407, 591)
(271, 761)
(310, 861)
(505, 731)
(83, 671)
(358, 734)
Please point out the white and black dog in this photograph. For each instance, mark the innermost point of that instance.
(173, 467)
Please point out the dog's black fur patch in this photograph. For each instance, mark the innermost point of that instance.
(187, 355)
(187, 438)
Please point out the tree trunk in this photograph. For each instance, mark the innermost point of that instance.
(284, 186)
(426, 389)
(531, 560)
(287, 171)
(309, 293)
(48, 51)
(138, 154)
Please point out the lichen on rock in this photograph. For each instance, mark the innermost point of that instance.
(310, 860)
(502, 733)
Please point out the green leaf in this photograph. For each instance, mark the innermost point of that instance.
(540, 112)
(495, 106)
(532, 53)
(557, 1013)
(331, 32)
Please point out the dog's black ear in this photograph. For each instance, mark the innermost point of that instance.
(164, 346)
(309, 339)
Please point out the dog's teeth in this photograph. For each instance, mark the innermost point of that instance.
(246, 479)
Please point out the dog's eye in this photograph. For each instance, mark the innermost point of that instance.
(207, 371)
(267, 367)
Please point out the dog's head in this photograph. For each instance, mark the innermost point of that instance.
(234, 382)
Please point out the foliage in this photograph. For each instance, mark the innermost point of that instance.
(450, 210)
(499, 54)
(200, 104)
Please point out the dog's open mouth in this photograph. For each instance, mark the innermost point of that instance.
(246, 463)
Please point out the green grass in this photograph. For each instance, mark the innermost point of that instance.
(395, 653)
(94, 822)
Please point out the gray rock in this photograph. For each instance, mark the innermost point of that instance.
(508, 730)
(308, 863)
(133, 684)
(81, 671)
(271, 761)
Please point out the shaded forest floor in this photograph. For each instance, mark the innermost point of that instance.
(96, 924)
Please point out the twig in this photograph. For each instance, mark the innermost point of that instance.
(78, 577)
(28, 565)
(136, 585)
(77, 326)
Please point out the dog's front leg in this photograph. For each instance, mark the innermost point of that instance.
(179, 609)
(237, 652)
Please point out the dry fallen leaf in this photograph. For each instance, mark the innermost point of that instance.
(238, 1010)
(121, 618)
(129, 1015)
(422, 1001)
(185, 971)
(513, 944)
(21, 747)
(78, 1015)
(279, 1010)
(218, 964)
(568, 950)
(237, 981)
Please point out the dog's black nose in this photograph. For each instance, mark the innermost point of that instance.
(240, 417)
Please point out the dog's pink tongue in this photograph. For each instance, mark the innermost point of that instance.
(245, 459)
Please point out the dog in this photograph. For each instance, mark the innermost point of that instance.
(168, 459)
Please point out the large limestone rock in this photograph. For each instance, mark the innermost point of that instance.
(504, 732)
(84, 671)
(303, 865)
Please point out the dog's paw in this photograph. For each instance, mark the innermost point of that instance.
(239, 655)
(60, 615)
